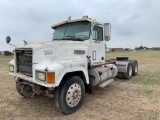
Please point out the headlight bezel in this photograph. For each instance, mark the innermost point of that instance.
(41, 76)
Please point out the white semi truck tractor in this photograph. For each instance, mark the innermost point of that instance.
(69, 65)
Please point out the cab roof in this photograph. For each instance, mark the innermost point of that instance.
(74, 20)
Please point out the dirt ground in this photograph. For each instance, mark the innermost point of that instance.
(135, 99)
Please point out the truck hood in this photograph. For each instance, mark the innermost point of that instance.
(41, 45)
(58, 49)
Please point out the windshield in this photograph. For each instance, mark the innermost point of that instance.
(73, 31)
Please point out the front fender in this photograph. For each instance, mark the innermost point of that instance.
(61, 67)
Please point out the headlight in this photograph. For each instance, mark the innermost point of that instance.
(11, 68)
(41, 76)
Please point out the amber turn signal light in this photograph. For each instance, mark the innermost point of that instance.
(51, 77)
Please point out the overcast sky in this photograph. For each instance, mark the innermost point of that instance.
(132, 21)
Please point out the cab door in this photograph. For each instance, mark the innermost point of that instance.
(97, 45)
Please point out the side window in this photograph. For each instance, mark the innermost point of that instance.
(97, 33)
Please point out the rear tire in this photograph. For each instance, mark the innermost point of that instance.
(129, 73)
(70, 95)
(135, 67)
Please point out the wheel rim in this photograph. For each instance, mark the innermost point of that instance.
(73, 95)
(130, 70)
(136, 68)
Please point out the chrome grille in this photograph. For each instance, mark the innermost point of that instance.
(24, 61)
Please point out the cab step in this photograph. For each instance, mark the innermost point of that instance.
(102, 85)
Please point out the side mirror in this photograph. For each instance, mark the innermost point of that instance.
(107, 31)
(8, 39)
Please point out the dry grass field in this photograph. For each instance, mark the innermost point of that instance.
(135, 99)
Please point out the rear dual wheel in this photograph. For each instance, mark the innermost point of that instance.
(129, 73)
(132, 70)
(135, 67)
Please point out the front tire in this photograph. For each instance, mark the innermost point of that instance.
(70, 95)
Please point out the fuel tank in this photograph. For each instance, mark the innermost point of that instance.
(101, 74)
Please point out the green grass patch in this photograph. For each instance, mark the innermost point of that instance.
(4, 60)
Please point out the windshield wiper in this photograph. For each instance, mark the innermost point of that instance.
(72, 36)
(57, 39)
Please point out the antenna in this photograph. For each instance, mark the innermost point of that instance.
(25, 42)
(69, 18)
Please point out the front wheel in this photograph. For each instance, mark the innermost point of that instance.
(70, 95)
